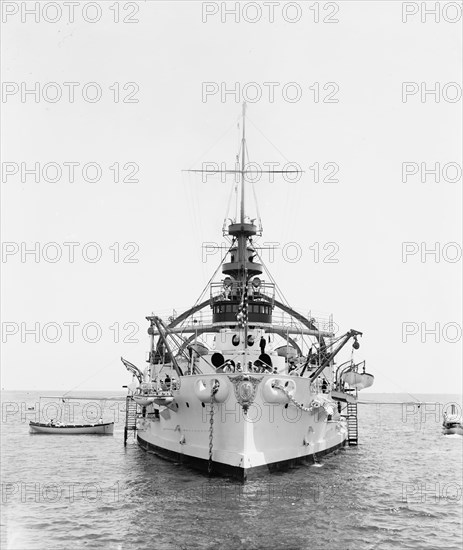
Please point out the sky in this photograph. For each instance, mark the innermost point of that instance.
(355, 233)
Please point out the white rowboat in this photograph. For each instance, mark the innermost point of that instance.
(71, 429)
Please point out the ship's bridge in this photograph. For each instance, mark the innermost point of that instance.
(226, 298)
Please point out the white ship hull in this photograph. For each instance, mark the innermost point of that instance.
(274, 433)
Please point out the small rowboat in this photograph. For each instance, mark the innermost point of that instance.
(71, 429)
(357, 380)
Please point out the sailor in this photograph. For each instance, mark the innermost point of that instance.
(324, 385)
(311, 358)
(262, 344)
(100, 421)
(238, 367)
(228, 366)
(190, 359)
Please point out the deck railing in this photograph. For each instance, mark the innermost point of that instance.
(284, 320)
(265, 291)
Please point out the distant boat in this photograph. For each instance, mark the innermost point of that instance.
(452, 422)
(71, 429)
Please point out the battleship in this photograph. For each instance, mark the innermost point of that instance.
(242, 383)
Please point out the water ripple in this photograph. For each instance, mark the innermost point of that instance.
(399, 489)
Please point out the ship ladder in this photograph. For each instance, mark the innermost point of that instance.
(131, 414)
(352, 424)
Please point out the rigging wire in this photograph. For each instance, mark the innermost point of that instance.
(228, 206)
(254, 194)
(287, 199)
(216, 142)
(194, 213)
(237, 165)
(194, 201)
(280, 292)
(257, 205)
(265, 137)
(113, 361)
(236, 201)
(212, 277)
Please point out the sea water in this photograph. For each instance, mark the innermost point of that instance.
(401, 487)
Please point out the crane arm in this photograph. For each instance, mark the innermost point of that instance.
(330, 356)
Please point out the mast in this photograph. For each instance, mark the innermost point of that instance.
(241, 234)
(241, 267)
(243, 240)
(243, 160)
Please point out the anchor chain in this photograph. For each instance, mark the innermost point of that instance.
(291, 398)
(214, 390)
